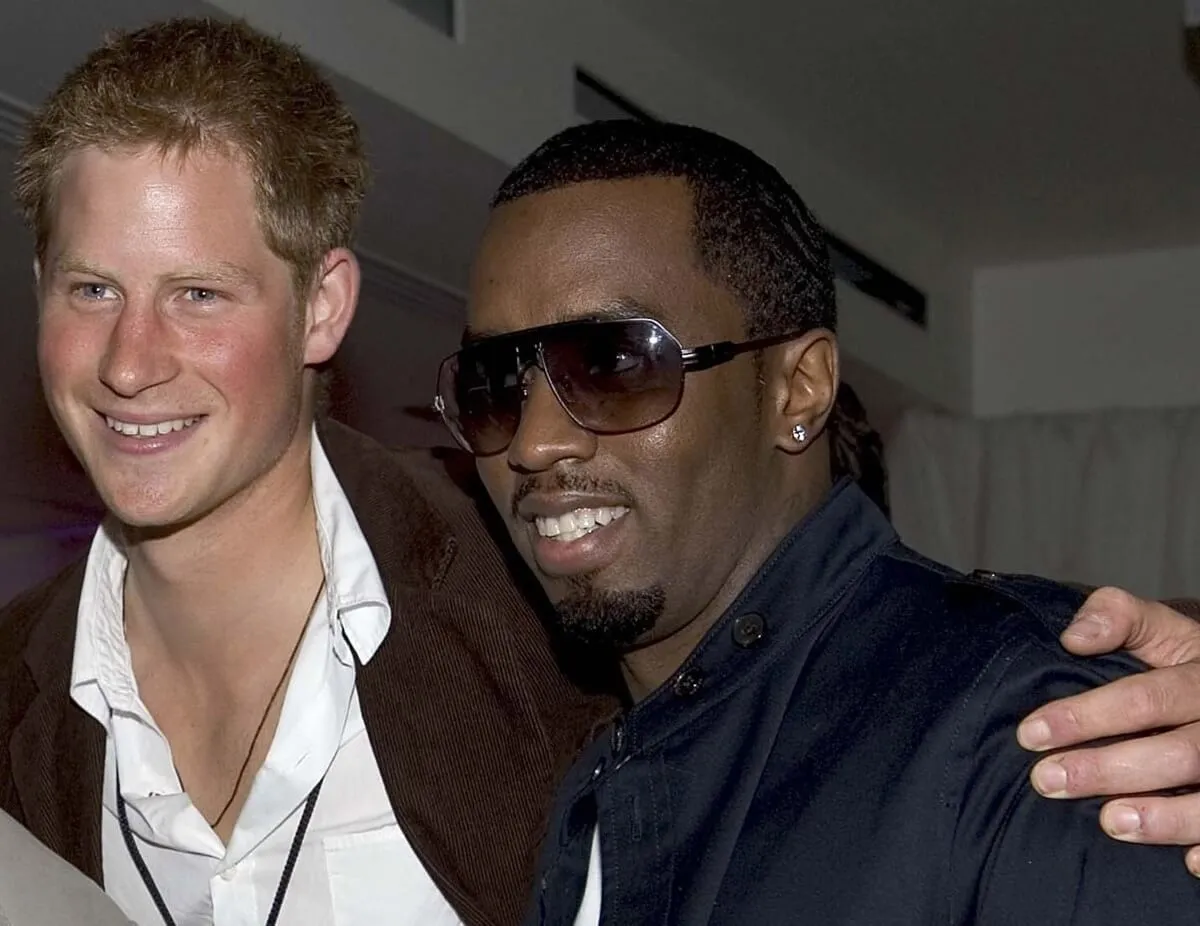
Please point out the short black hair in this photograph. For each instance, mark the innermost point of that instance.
(753, 232)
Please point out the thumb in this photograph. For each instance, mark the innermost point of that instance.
(1114, 619)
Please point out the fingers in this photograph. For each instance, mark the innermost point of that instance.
(1113, 619)
(1168, 696)
(1149, 701)
(1154, 820)
(1153, 763)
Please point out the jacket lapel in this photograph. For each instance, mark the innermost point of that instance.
(57, 750)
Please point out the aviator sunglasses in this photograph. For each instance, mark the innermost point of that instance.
(609, 375)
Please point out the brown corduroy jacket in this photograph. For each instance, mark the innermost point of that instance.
(469, 713)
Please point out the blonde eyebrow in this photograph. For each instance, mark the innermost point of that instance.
(220, 272)
(67, 263)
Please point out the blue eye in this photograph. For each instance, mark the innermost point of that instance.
(201, 295)
(94, 292)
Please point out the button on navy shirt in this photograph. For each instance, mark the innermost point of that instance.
(841, 749)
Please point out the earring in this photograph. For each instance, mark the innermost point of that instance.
(799, 434)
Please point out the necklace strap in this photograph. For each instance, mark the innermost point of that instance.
(285, 879)
(267, 710)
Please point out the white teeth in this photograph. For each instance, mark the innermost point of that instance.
(129, 429)
(578, 523)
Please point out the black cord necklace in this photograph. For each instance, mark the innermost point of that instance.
(285, 879)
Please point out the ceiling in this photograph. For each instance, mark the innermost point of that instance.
(1021, 129)
(1018, 129)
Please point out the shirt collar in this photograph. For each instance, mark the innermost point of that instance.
(795, 591)
(101, 669)
(353, 584)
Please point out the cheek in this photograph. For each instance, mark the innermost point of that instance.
(67, 351)
(260, 364)
(703, 461)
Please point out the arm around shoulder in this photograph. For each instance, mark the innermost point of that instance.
(1048, 862)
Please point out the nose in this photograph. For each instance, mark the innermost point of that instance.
(546, 434)
(138, 355)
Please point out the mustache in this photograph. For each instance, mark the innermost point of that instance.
(568, 481)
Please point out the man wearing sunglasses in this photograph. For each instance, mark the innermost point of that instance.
(822, 724)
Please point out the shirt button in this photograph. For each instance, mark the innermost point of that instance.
(748, 630)
(618, 739)
(229, 873)
(689, 683)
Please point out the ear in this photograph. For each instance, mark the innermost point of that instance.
(331, 305)
(803, 383)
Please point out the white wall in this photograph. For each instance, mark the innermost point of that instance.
(509, 84)
(1091, 333)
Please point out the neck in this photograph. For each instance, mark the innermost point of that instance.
(209, 597)
(647, 667)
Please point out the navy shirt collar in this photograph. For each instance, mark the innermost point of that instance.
(797, 588)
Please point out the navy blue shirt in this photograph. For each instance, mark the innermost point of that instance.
(841, 749)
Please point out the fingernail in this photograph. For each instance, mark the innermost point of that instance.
(1050, 779)
(1087, 628)
(1034, 733)
(1193, 862)
(1123, 820)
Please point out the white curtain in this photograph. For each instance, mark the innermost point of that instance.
(1098, 498)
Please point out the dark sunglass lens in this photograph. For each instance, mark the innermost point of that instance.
(481, 394)
(616, 376)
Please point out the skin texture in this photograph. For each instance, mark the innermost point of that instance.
(722, 471)
(160, 299)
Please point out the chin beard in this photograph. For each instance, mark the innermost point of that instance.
(614, 620)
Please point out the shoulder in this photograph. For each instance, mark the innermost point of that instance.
(436, 484)
(966, 655)
(995, 655)
(37, 636)
(981, 614)
(448, 480)
(48, 607)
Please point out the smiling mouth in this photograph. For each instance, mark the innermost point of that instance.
(156, 429)
(578, 523)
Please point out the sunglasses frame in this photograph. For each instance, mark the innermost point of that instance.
(692, 360)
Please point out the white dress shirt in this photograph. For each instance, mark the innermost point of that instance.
(356, 867)
(589, 906)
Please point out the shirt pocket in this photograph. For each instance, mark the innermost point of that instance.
(375, 877)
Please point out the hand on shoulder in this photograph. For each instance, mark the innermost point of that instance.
(1154, 717)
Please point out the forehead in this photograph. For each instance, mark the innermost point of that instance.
(591, 248)
(154, 198)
